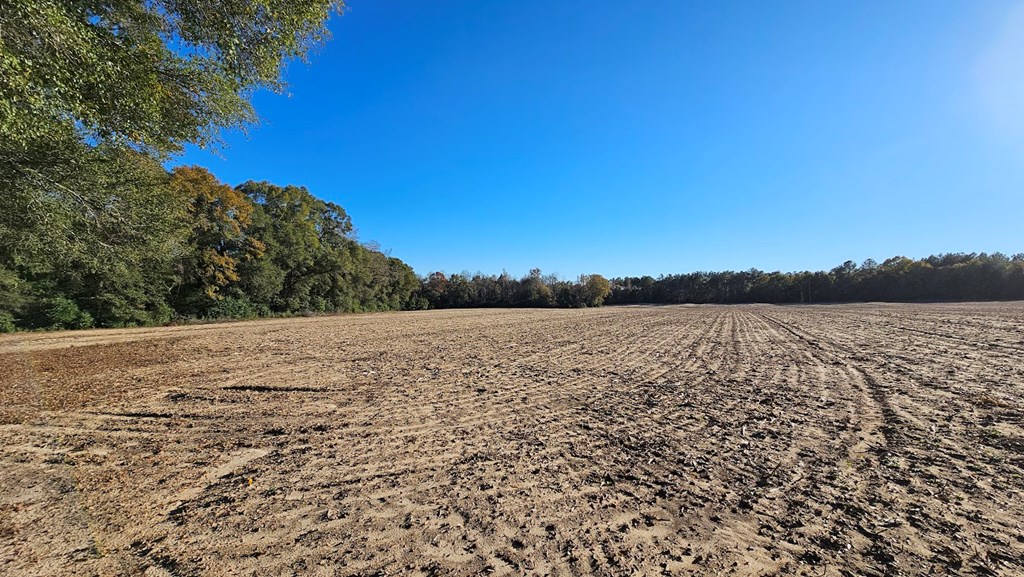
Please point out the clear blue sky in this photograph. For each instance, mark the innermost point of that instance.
(631, 138)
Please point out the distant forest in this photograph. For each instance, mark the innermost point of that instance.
(944, 277)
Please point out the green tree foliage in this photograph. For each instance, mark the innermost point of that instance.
(311, 260)
(155, 74)
(161, 246)
(104, 234)
(534, 292)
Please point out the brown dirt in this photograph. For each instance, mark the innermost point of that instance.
(757, 440)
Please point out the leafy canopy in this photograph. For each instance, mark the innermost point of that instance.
(152, 74)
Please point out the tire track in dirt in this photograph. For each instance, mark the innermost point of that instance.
(933, 480)
(872, 426)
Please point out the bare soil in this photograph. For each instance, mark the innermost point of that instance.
(747, 440)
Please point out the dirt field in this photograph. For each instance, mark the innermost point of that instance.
(761, 440)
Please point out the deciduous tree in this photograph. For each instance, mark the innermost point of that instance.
(218, 218)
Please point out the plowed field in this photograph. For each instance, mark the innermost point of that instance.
(760, 440)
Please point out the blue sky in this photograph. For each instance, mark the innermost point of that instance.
(631, 138)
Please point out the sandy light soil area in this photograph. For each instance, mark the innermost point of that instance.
(747, 440)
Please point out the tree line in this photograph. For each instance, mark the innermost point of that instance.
(943, 277)
(533, 290)
(152, 247)
(140, 245)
